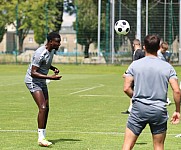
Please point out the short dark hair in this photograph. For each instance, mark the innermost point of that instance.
(152, 43)
(52, 35)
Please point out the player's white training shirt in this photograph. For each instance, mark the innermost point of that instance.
(151, 76)
(42, 58)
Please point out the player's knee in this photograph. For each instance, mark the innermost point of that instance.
(43, 108)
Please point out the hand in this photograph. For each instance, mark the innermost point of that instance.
(55, 77)
(56, 71)
(175, 118)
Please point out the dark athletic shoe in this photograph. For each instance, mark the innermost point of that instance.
(126, 112)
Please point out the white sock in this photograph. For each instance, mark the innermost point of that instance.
(130, 107)
(41, 134)
(168, 100)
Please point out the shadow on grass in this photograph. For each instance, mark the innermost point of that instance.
(64, 140)
(141, 143)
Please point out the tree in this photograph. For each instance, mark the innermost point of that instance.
(4, 20)
(59, 15)
(2, 25)
(52, 16)
(42, 17)
(87, 23)
(45, 16)
(29, 15)
(2, 32)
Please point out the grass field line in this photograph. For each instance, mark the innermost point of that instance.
(10, 84)
(79, 132)
(99, 96)
(87, 89)
(76, 132)
(103, 96)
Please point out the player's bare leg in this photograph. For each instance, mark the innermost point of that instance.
(158, 141)
(41, 100)
(42, 104)
(129, 140)
(47, 108)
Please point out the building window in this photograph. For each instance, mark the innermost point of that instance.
(64, 40)
(30, 40)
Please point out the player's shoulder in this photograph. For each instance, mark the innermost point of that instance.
(164, 64)
(40, 52)
(41, 48)
(159, 51)
(137, 62)
(138, 51)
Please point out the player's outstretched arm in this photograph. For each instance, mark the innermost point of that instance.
(176, 95)
(175, 118)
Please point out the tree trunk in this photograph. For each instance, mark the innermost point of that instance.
(21, 36)
(86, 52)
(20, 48)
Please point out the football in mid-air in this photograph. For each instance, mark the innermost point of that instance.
(122, 27)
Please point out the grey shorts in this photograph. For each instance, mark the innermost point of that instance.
(37, 87)
(142, 114)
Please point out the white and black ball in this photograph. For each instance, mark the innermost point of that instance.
(122, 27)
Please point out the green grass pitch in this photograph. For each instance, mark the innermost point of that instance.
(85, 110)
